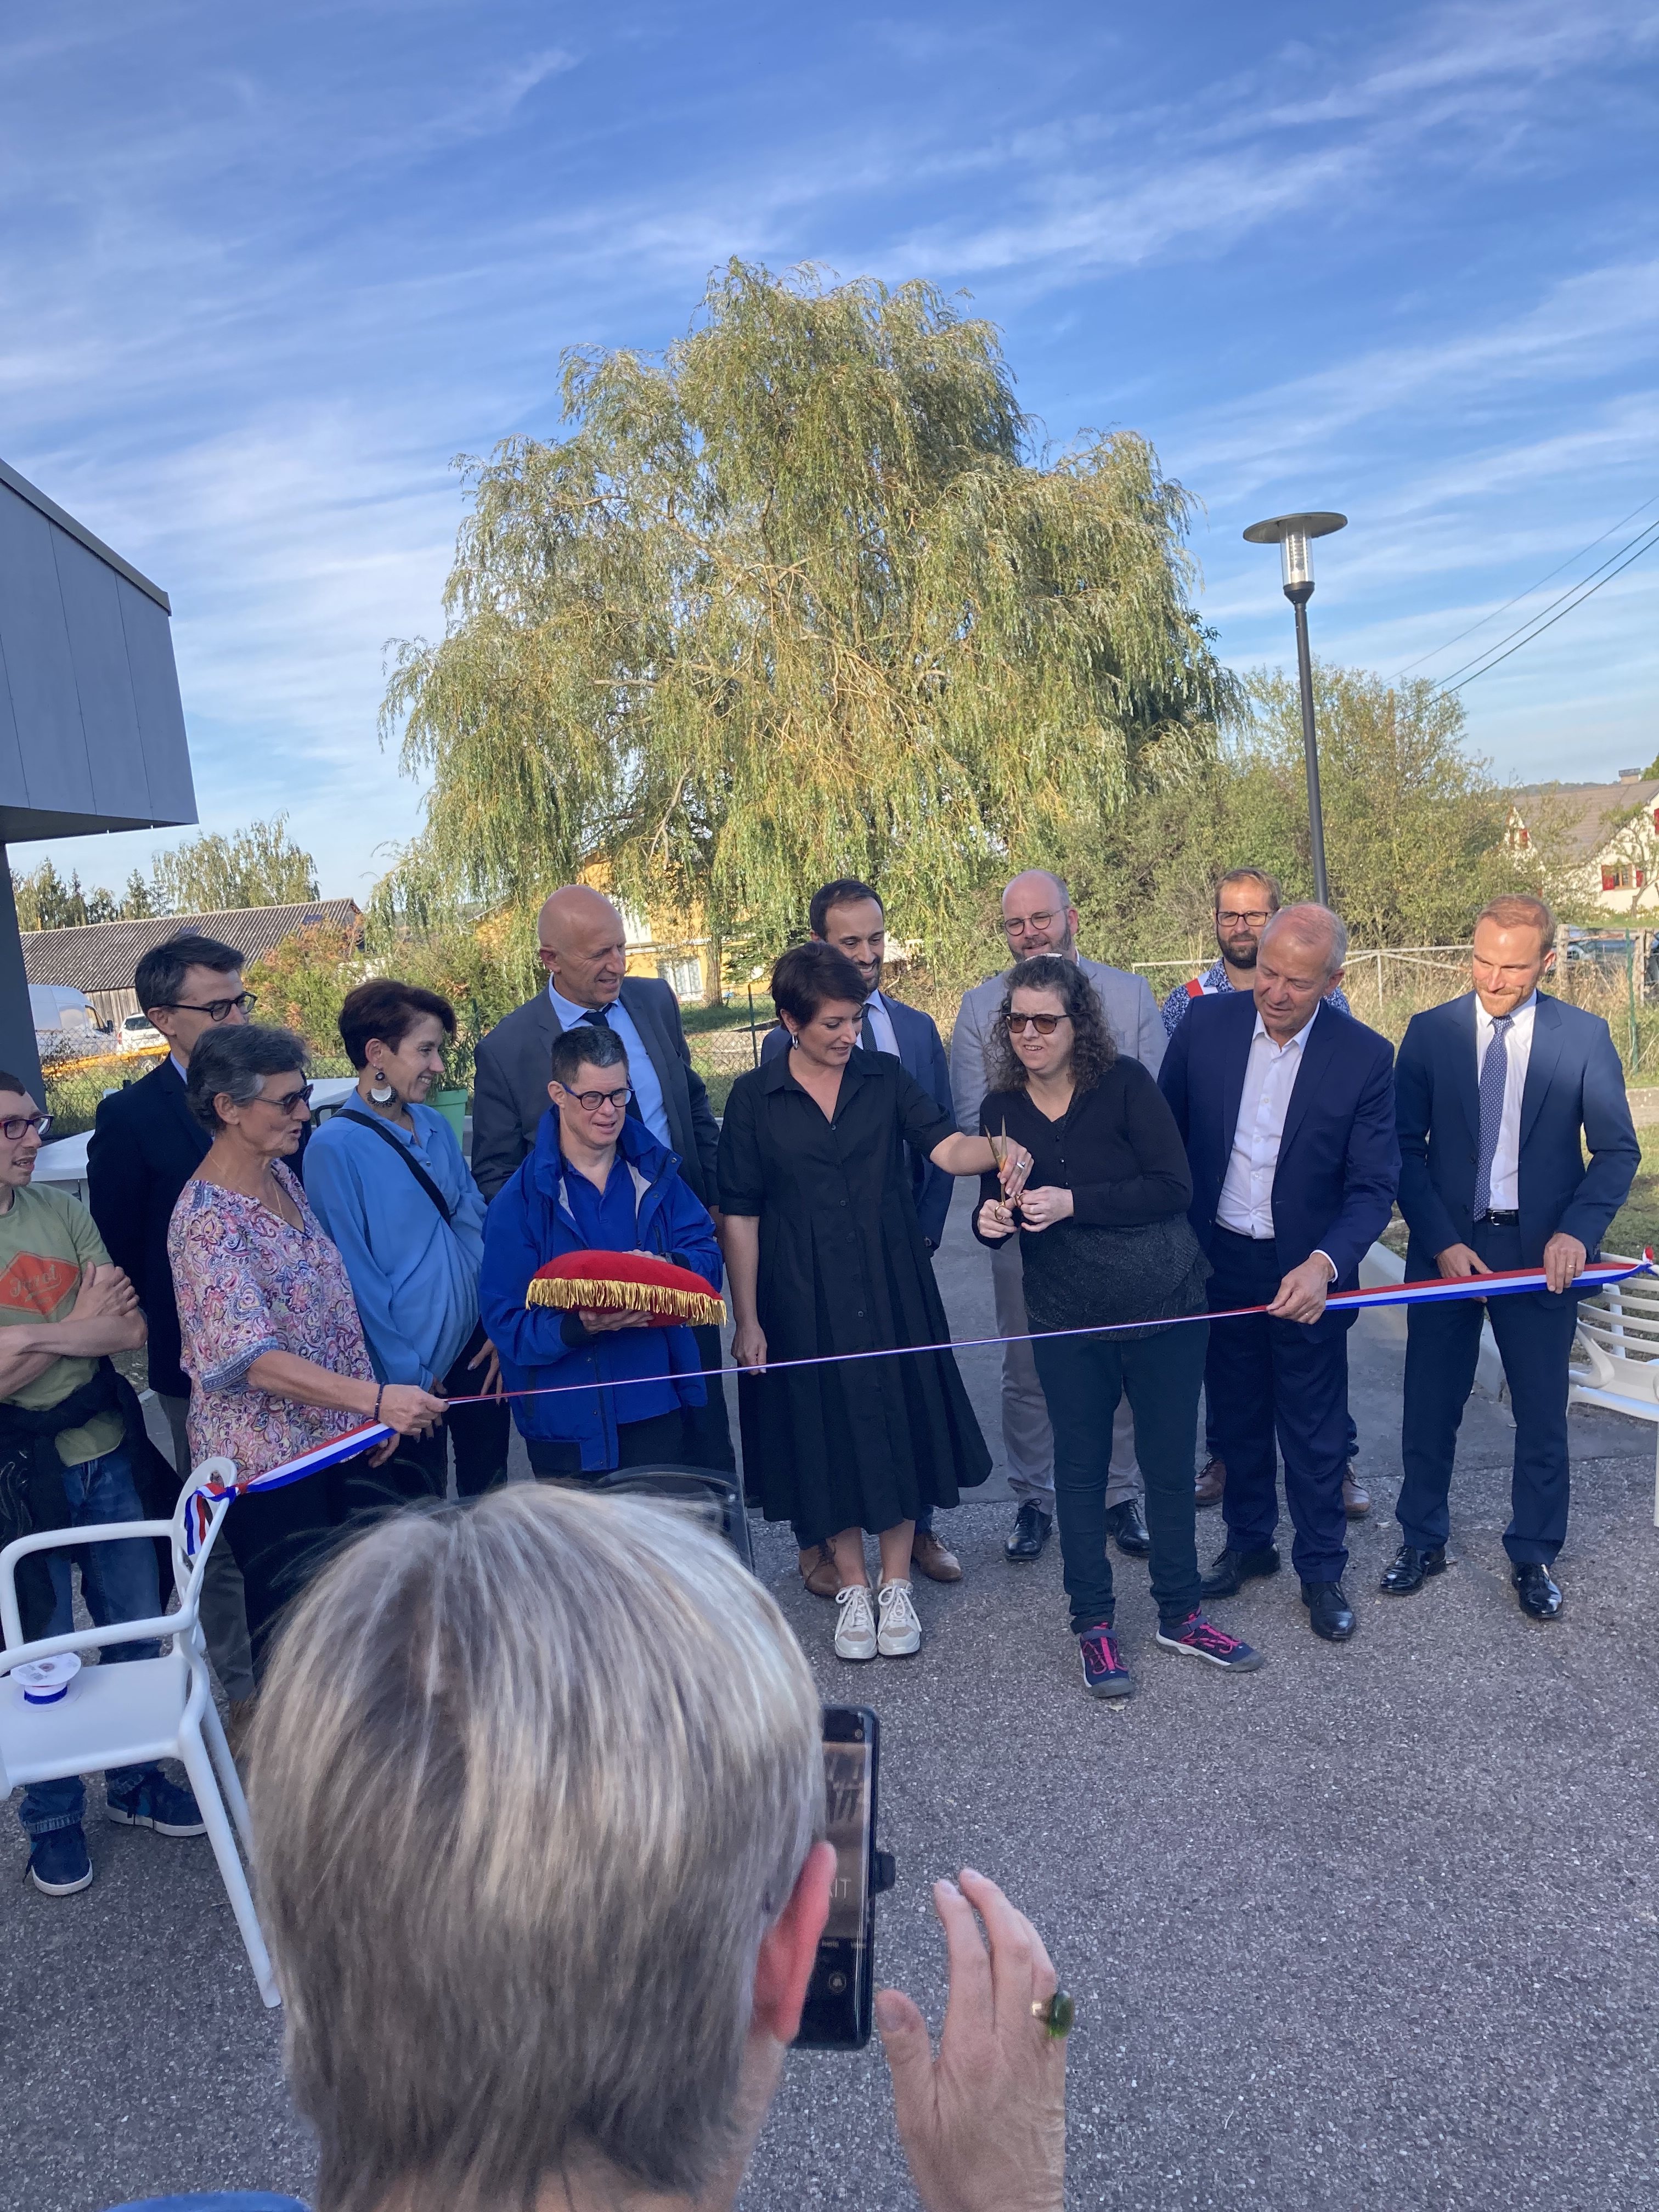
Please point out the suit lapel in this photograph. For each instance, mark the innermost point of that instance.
(1466, 1080)
(1232, 1080)
(177, 1102)
(1316, 1058)
(1541, 1061)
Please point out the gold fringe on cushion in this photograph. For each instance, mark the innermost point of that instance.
(696, 1308)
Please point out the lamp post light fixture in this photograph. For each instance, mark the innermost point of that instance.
(1292, 533)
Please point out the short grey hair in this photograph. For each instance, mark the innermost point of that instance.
(1308, 919)
(531, 1778)
(227, 1062)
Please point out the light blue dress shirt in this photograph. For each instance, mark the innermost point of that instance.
(647, 1089)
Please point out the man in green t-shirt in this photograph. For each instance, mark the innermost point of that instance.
(64, 1308)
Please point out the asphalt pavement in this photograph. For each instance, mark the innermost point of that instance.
(1375, 1926)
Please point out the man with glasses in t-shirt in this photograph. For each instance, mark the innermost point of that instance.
(145, 1148)
(1245, 902)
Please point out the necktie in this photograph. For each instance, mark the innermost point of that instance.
(1494, 1079)
(600, 1018)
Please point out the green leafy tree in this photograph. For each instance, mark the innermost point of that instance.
(260, 866)
(798, 598)
(138, 900)
(44, 901)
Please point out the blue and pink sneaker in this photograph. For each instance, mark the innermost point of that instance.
(1104, 1674)
(1204, 1640)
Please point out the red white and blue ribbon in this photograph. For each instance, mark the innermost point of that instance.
(1595, 1275)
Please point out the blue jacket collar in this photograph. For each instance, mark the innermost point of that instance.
(650, 1158)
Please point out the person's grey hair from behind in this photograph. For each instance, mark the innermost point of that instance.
(1313, 924)
(591, 1044)
(514, 1868)
(233, 1062)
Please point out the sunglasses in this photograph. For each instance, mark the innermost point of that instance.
(290, 1100)
(16, 1127)
(1045, 1025)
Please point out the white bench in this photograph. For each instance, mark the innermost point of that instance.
(1615, 1361)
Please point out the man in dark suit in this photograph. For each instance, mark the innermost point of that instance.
(145, 1147)
(849, 915)
(1494, 1090)
(583, 945)
(1286, 1108)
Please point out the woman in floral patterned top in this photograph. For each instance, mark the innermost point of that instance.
(270, 1338)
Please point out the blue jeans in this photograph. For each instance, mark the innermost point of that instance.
(120, 1583)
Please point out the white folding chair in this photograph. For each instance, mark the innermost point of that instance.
(1615, 1360)
(138, 1708)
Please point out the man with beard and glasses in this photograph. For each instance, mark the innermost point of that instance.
(1245, 902)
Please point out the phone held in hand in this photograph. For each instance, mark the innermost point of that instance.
(837, 2012)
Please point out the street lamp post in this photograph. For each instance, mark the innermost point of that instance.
(1291, 534)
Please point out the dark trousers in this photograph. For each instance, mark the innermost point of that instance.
(1534, 1337)
(281, 1539)
(479, 1434)
(711, 1424)
(1277, 1378)
(1083, 1378)
(665, 1440)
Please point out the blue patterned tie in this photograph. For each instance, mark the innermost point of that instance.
(1494, 1079)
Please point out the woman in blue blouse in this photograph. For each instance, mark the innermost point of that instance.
(387, 1178)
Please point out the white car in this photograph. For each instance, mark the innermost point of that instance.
(137, 1033)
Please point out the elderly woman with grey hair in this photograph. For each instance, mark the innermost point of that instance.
(544, 1910)
(269, 1335)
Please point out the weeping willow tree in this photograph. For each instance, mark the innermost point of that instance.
(800, 599)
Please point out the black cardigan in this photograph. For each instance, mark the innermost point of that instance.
(1116, 1150)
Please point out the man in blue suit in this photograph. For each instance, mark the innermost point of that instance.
(1286, 1108)
(849, 915)
(1495, 1089)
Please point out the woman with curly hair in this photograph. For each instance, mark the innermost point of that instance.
(1104, 1238)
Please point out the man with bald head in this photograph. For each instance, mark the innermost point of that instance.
(1038, 917)
(582, 943)
(1286, 1108)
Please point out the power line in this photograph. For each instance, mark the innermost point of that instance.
(1438, 649)
(1652, 537)
(1647, 531)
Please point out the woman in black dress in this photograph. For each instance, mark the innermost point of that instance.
(1104, 1238)
(824, 1254)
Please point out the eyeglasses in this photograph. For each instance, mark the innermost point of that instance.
(1022, 925)
(16, 1127)
(290, 1100)
(590, 1100)
(216, 1010)
(1224, 916)
(1045, 1025)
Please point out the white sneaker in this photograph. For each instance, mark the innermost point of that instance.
(901, 1629)
(855, 1625)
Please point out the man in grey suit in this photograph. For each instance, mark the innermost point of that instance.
(583, 945)
(1038, 917)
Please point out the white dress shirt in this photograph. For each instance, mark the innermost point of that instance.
(1246, 1205)
(1504, 1196)
(878, 1025)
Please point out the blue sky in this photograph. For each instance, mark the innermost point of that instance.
(267, 269)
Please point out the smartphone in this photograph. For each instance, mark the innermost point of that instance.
(837, 2011)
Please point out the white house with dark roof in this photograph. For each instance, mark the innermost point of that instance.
(1598, 840)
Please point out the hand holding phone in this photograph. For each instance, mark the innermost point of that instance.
(837, 2013)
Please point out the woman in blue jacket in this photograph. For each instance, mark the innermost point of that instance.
(597, 1180)
(390, 1185)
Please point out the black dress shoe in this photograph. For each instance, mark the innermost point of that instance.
(1028, 1533)
(1232, 1568)
(1127, 1527)
(1537, 1589)
(1411, 1569)
(1329, 1614)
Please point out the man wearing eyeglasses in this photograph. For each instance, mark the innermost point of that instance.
(1038, 917)
(1245, 902)
(145, 1146)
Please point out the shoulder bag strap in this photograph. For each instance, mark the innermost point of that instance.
(366, 1121)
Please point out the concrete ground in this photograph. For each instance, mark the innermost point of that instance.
(1377, 1927)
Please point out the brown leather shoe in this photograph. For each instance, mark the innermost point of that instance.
(931, 1557)
(818, 1571)
(1356, 1499)
(1210, 1482)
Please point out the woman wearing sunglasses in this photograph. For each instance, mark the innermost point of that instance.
(269, 1335)
(1104, 1238)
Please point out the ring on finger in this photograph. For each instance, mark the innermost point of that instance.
(1057, 2015)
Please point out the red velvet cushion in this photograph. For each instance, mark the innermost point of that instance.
(627, 1282)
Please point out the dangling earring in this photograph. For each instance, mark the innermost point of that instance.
(380, 1091)
(793, 1037)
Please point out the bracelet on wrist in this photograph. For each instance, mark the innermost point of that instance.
(379, 1395)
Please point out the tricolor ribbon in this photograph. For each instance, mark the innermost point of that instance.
(1594, 1275)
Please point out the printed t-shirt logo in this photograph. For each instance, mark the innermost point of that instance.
(36, 1283)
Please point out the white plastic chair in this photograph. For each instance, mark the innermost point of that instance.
(138, 1708)
(1615, 1360)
